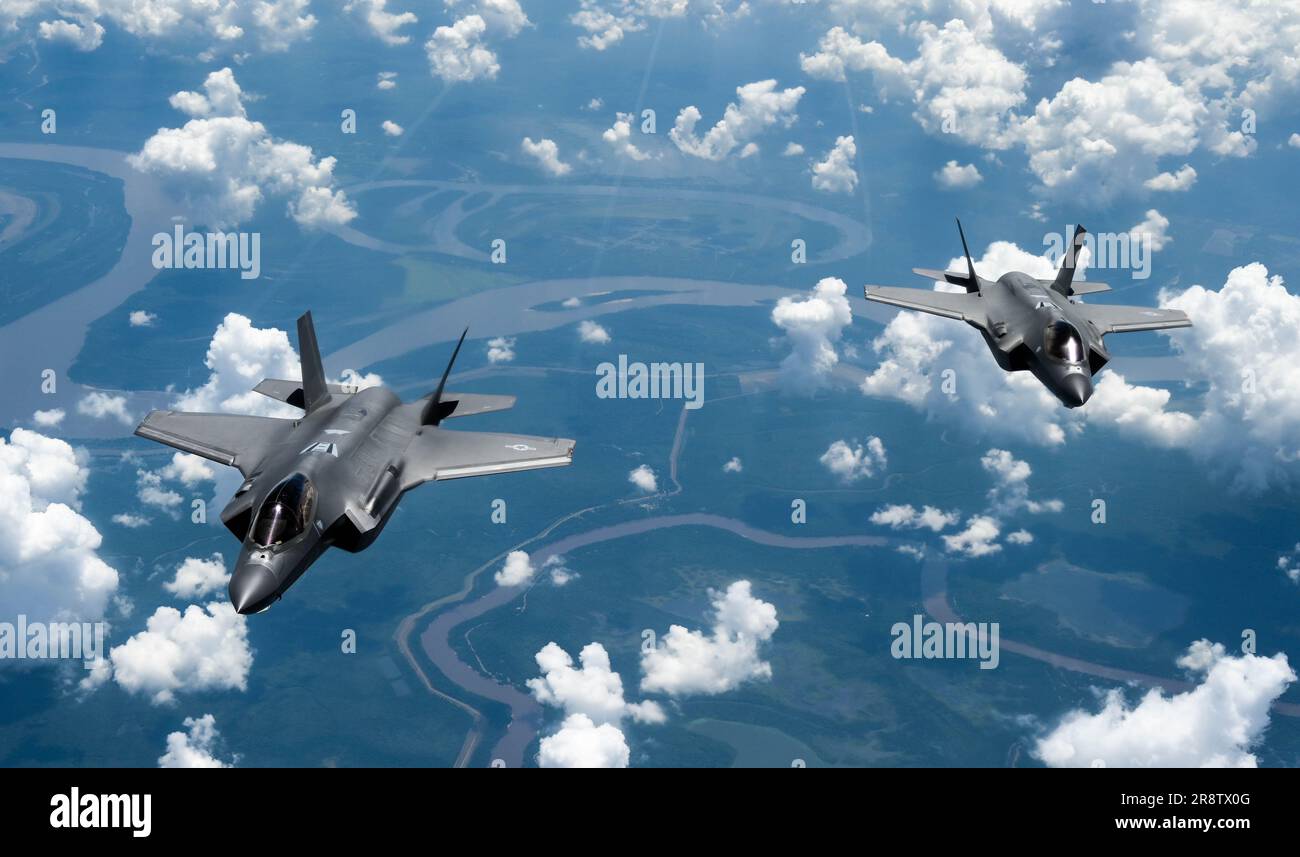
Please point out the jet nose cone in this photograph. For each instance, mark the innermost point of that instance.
(1075, 390)
(251, 588)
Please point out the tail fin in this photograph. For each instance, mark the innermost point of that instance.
(315, 392)
(435, 410)
(973, 285)
(1065, 276)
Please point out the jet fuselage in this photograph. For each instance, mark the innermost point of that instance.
(339, 464)
(1034, 328)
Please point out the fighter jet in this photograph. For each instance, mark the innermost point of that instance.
(1035, 325)
(333, 476)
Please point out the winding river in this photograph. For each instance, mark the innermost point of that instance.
(435, 623)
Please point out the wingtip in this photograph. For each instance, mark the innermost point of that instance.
(141, 426)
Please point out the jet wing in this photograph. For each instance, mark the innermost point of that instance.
(437, 453)
(964, 306)
(1124, 319)
(230, 439)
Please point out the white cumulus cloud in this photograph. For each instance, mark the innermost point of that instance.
(200, 649)
(458, 54)
(978, 539)
(954, 176)
(463, 52)
(1216, 724)
(836, 172)
(758, 106)
(1010, 491)
(1183, 179)
(581, 743)
(547, 155)
(1191, 71)
(198, 578)
(196, 747)
(49, 566)
(105, 406)
(225, 164)
(604, 23)
(972, 97)
(49, 418)
(643, 477)
(813, 325)
(200, 28)
(591, 696)
(687, 662)
(501, 349)
(1094, 139)
(590, 331)
(619, 136)
(850, 462)
(1008, 497)
(1243, 351)
(905, 516)
(385, 25)
(517, 571)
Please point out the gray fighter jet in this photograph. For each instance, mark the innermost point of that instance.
(1032, 324)
(334, 476)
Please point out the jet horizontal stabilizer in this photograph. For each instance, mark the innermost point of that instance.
(290, 392)
(957, 279)
(1079, 287)
(473, 404)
